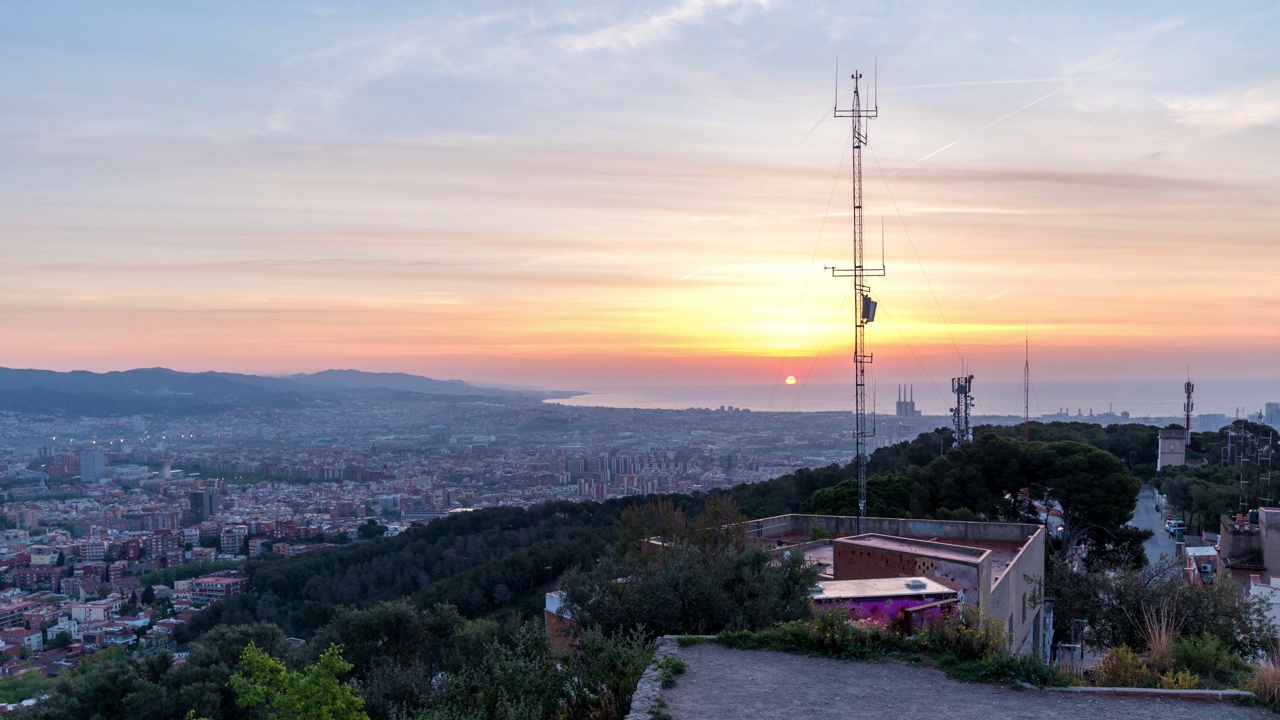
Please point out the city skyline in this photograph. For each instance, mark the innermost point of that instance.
(614, 195)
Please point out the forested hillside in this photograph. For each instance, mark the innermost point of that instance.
(484, 562)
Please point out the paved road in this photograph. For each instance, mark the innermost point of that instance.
(1145, 516)
(724, 683)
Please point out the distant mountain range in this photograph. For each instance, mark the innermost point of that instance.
(159, 390)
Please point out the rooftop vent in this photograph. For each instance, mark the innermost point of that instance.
(916, 584)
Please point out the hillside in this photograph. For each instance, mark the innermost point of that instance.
(160, 390)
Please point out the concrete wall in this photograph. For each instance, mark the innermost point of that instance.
(1011, 595)
(857, 562)
(1269, 526)
(843, 526)
(1236, 539)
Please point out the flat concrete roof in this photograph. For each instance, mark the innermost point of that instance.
(879, 588)
(1206, 551)
(820, 555)
(1002, 553)
(944, 551)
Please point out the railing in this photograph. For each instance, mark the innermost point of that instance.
(1079, 672)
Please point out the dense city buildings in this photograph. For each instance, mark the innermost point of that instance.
(97, 509)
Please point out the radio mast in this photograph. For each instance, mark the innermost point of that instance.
(866, 307)
(1189, 388)
(1026, 390)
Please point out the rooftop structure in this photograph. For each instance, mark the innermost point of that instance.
(995, 566)
(919, 588)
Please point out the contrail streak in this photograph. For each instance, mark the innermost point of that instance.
(1066, 83)
(696, 272)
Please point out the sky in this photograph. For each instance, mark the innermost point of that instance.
(601, 194)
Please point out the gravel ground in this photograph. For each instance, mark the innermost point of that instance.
(723, 683)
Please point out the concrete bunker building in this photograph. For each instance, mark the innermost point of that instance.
(993, 565)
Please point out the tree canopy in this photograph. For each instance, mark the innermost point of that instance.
(996, 478)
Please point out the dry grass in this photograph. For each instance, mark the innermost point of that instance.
(1159, 629)
(1265, 682)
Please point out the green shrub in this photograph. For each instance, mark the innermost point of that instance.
(1181, 680)
(687, 640)
(791, 636)
(1121, 667)
(1207, 656)
(670, 667)
(831, 632)
(1005, 669)
(970, 633)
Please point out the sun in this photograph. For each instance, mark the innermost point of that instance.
(791, 379)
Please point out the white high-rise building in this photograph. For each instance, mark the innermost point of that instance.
(93, 465)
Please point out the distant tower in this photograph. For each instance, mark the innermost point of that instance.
(1026, 392)
(1171, 452)
(962, 387)
(906, 407)
(1186, 407)
(866, 307)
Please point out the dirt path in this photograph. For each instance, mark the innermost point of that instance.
(725, 683)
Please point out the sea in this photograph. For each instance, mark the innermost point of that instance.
(1230, 398)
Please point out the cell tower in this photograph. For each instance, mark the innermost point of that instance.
(1190, 387)
(962, 387)
(866, 307)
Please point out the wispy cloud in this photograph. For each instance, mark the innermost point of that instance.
(1124, 46)
(1230, 110)
(658, 26)
(333, 74)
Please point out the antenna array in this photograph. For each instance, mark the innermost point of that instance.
(1190, 388)
(1250, 450)
(963, 388)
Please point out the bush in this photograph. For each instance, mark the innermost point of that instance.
(970, 633)
(1006, 669)
(830, 631)
(1121, 667)
(795, 636)
(1207, 656)
(670, 668)
(1181, 680)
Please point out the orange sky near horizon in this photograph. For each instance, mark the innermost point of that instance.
(384, 191)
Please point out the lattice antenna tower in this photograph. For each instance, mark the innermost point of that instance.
(1190, 388)
(963, 388)
(858, 115)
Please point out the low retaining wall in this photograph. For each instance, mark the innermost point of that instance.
(649, 687)
(1151, 692)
